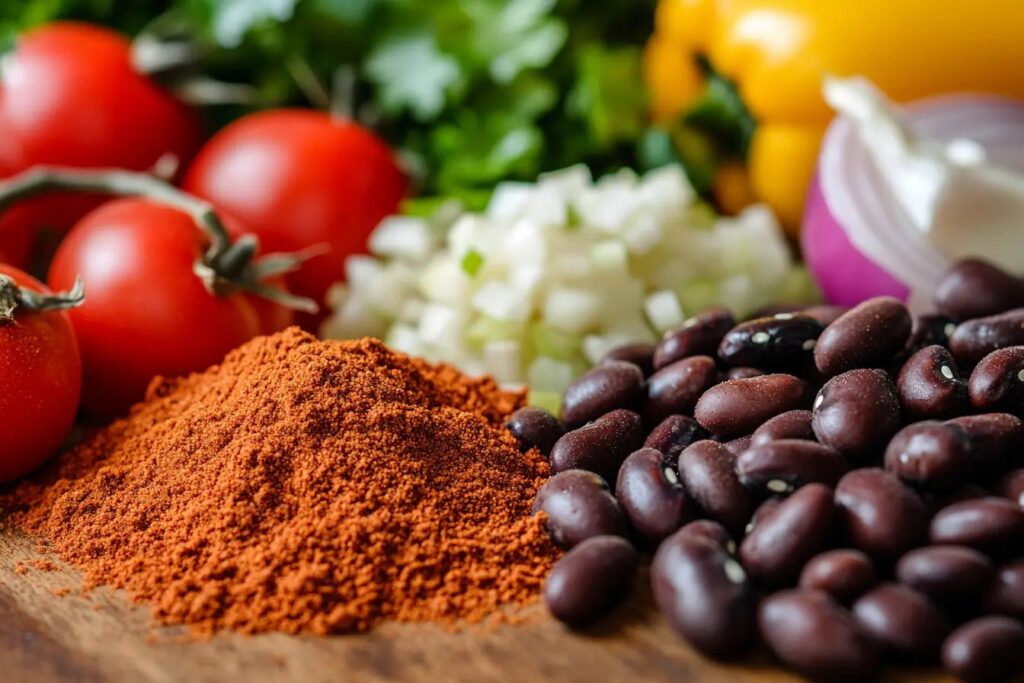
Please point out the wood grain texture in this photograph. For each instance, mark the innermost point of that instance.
(100, 637)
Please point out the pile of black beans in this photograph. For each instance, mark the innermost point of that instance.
(845, 485)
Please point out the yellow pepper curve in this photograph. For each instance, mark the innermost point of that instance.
(776, 52)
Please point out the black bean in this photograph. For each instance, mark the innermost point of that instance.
(995, 439)
(973, 288)
(786, 464)
(742, 373)
(932, 455)
(902, 621)
(948, 573)
(708, 471)
(844, 574)
(535, 428)
(699, 335)
(650, 493)
(675, 433)
(997, 382)
(607, 387)
(704, 593)
(1011, 486)
(712, 531)
(675, 388)
(883, 517)
(739, 406)
(929, 329)
(929, 385)
(1005, 594)
(826, 314)
(579, 506)
(640, 354)
(772, 310)
(856, 413)
(991, 525)
(815, 636)
(591, 579)
(779, 341)
(793, 424)
(778, 546)
(600, 446)
(985, 649)
(974, 339)
(867, 335)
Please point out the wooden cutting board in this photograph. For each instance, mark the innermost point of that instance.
(100, 637)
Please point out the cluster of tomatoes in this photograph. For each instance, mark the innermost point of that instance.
(70, 96)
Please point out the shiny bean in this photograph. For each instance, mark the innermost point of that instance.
(1011, 486)
(844, 574)
(867, 335)
(932, 455)
(929, 385)
(974, 339)
(579, 506)
(712, 531)
(902, 621)
(883, 517)
(793, 424)
(591, 579)
(826, 314)
(650, 493)
(704, 593)
(742, 373)
(928, 329)
(985, 649)
(675, 388)
(600, 446)
(997, 382)
(674, 434)
(607, 387)
(945, 572)
(772, 310)
(699, 335)
(995, 439)
(781, 466)
(856, 413)
(973, 288)
(738, 445)
(640, 354)
(779, 341)
(535, 428)
(708, 472)
(991, 525)
(815, 636)
(1006, 592)
(739, 406)
(766, 507)
(777, 548)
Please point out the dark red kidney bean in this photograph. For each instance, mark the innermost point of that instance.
(996, 439)
(650, 493)
(991, 525)
(781, 466)
(815, 636)
(826, 314)
(704, 593)
(600, 446)
(867, 335)
(579, 506)
(985, 649)
(845, 574)
(1011, 486)
(945, 572)
(974, 339)
(793, 424)
(902, 621)
(929, 385)
(708, 471)
(698, 336)
(675, 388)
(778, 546)
(928, 329)
(673, 434)
(856, 412)
(535, 428)
(738, 445)
(932, 455)
(739, 406)
(997, 382)
(640, 354)
(883, 516)
(763, 510)
(742, 373)
(712, 531)
(973, 288)
(779, 341)
(1005, 594)
(591, 579)
(602, 389)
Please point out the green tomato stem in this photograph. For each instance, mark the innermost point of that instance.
(13, 297)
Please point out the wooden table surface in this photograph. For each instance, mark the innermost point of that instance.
(102, 637)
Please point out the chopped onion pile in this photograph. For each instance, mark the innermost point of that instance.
(554, 274)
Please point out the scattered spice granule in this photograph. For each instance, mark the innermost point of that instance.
(60, 592)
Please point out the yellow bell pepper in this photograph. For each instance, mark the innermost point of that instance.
(776, 52)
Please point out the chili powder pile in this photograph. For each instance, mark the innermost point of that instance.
(303, 486)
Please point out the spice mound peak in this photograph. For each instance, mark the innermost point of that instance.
(303, 486)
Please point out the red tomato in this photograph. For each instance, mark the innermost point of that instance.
(40, 383)
(146, 313)
(298, 178)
